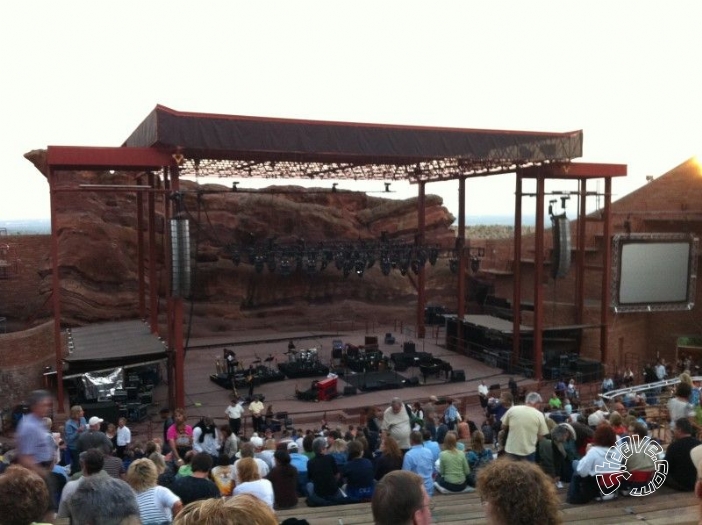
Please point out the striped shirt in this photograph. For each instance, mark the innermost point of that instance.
(155, 505)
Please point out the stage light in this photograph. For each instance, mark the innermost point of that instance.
(433, 255)
(259, 262)
(285, 266)
(360, 267)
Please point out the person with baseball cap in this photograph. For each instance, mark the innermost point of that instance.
(94, 438)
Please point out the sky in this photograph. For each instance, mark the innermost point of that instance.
(86, 73)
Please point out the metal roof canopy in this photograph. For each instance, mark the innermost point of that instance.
(239, 146)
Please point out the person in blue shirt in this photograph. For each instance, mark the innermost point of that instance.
(420, 460)
(431, 445)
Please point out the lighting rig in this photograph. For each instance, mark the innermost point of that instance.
(347, 257)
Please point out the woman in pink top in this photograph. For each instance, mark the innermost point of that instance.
(180, 436)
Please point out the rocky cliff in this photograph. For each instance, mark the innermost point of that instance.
(98, 248)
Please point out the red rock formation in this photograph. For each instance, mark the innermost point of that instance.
(98, 248)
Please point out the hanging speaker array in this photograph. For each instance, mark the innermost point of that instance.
(560, 256)
(180, 257)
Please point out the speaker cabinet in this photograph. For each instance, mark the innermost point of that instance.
(409, 347)
(458, 376)
(349, 390)
(337, 353)
(560, 257)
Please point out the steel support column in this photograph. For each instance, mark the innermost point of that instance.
(140, 254)
(56, 291)
(421, 296)
(153, 284)
(606, 272)
(538, 279)
(176, 302)
(460, 246)
(580, 253)
(517, 272)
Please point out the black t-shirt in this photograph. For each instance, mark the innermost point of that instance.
(358, 473)
(284, 481)
(321, 471)
(190, 489)
(680, 466)
(385, 464)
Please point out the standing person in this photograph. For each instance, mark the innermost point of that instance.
(526, 424)
(91, 463)
(483, 395)
(157, 504)
(513, 388)
(104, 500)
(256, 407)
(36, 449)
(679, 405)
(396, 422)
(94, 437)
(124, 437)
(230, 442)
(453, 467)
(400, 498)
(74, 427)
(180, 436)
(451, 415)
(417, 416)
(250, 381)
(206, 438)
(234, 412)
(420, 460)
(518, 492)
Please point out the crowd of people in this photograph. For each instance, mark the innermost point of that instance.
(401, 451)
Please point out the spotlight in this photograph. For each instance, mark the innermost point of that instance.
(360, 267)
(285, 266)
(259, 263)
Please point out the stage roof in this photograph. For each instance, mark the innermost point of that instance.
(112, 344)
(240, 146)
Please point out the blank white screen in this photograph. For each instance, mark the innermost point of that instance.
(654, 272)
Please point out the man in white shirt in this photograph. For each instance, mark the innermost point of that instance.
(234, 412)
(124, 437)
(396, 422)
(256, 408)
(483, 394)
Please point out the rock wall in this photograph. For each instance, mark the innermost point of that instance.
(98, 246)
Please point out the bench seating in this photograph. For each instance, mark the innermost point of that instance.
(663, 507)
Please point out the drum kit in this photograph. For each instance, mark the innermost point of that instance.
(303, 363)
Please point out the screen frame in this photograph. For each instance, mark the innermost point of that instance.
(619, 241)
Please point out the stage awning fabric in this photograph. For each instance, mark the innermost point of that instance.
(112, 344)
(267, 147)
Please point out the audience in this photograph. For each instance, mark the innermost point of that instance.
(104, 501)
(453, 467)
(24, 496)
(682, 473)
(358, 474)
(420, 461)
(323, 474)
(284, 478)
(526, 424)
(91, 463)
(390, 458)
(583, 486)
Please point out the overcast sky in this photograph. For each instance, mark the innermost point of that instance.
(87, 73)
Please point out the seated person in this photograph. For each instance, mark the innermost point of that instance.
(244, 509)
(250, 482)
(358, 474)
(478, 456)
(682, 473)
(284, 479)
(640, 464)
(104, 500)
(453, 467)
(323, 475)
(553, 455)
(584, 487)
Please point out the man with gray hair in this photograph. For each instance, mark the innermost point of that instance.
(524, 425)
(396, 422)
(105, 500)
(323, 475)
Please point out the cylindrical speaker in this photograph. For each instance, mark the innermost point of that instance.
(180, 258)
(560, 256)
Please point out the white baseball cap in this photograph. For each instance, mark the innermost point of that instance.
(94, 421)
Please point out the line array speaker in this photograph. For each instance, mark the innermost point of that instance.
(560, 257)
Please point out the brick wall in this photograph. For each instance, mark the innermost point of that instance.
(23, 356)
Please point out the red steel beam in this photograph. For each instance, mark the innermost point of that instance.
(580, 254)
(56, 293)
(140, 255)
(153, 285)
(538, 280)
(606, 273)
(517, 269)
(101, 158)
